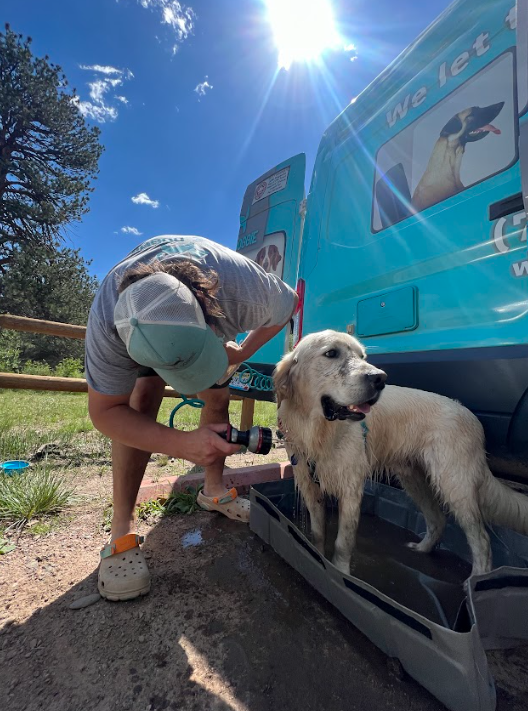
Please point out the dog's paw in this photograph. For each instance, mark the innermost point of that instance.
(419, 546)
(343, 567)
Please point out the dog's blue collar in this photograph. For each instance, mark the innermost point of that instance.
(365, 429)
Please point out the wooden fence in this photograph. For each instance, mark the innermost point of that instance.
(18, 381)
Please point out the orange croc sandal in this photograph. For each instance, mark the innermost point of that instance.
(123, 572)
(231, 505)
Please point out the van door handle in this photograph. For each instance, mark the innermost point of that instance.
(504, 207)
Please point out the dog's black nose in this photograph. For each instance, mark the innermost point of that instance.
(377, 379)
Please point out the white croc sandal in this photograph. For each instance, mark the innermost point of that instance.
(123, 572)
(231, 505)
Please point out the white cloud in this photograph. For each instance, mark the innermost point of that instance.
(201, 88)
(98, 89)
(131, 231)
(143, 199)
(178, 16)
(108, 70)
(101, 69)
(102, 106)
(100, 114)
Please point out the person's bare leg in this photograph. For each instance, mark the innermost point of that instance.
(216, 411)
(128, 464)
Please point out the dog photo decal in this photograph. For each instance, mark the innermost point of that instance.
(467, 137)
(270, 254)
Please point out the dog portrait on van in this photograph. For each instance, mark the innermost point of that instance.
(442, 177)
(269, 258)
(462, 140)
(269, 254)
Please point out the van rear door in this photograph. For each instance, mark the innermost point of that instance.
(270, 234)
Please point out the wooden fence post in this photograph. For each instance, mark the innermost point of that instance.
(248, 410)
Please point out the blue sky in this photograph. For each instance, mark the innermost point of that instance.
(193, 106)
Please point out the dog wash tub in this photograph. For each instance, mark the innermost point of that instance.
(413, 606)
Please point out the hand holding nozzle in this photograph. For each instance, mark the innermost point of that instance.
(258, 439)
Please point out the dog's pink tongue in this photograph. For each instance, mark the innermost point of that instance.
(489, 127)
(363, 408)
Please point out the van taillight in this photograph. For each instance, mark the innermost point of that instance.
(298, 316)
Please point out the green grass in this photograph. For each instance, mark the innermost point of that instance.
(34, 494)
(30, 418)
(179, 502)
(47, 524)
(40, 409)
(188, 417)
(182, 502)
(6, 546)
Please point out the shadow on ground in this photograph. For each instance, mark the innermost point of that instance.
(227, 626)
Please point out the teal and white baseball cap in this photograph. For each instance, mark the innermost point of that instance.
(163, 327)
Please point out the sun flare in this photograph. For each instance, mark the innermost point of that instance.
(302, 29)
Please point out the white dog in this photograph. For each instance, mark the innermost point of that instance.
(435, 446)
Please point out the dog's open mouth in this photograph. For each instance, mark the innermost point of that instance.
(488, 128)
(334, 411)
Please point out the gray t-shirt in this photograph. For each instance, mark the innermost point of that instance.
(249, 298)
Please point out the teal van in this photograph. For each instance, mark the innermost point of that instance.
(414, 235)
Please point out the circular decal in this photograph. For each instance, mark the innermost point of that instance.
(260, 189)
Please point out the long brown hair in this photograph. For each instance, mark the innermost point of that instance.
(203, 284)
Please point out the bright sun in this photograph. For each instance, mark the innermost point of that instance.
(303, 29)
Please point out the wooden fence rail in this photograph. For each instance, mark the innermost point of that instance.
(36, 325)
(19, 381)
(76, 385)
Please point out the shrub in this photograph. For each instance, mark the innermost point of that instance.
(10, 348)
(35, 367)
(69, 368)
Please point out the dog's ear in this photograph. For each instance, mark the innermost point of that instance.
(260, 256)
(452, 127)
(275, 255)
(283, 378)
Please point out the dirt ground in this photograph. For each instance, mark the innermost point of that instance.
(227, 626)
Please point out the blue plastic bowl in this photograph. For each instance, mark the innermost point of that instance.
(15, 465)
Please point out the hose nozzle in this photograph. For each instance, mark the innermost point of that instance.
(257, 440)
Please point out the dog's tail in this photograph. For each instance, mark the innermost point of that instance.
(502, 505)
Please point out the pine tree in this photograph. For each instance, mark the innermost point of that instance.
(48, 155)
